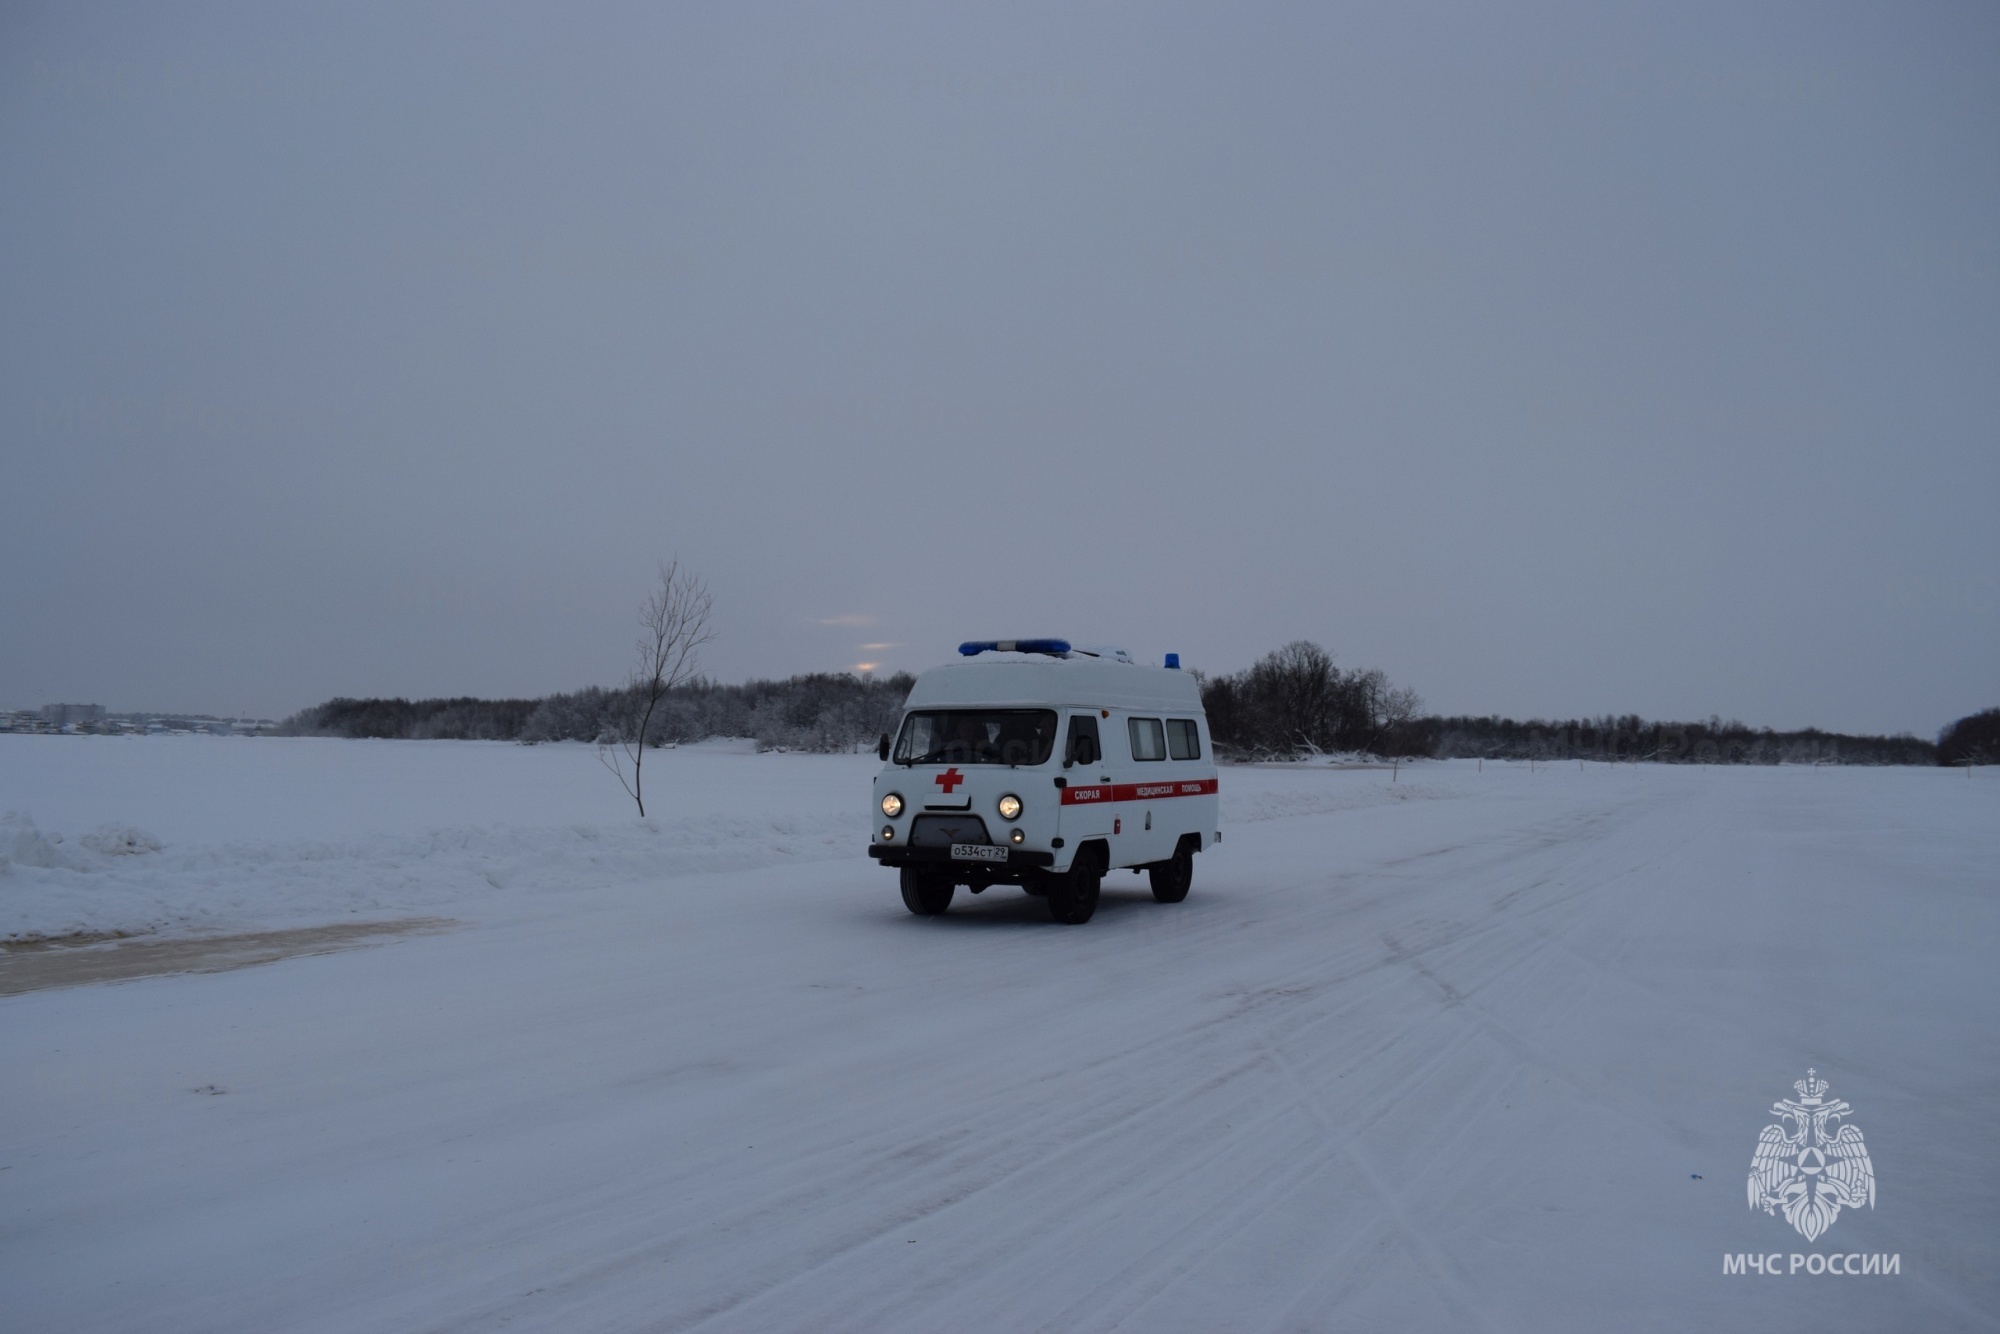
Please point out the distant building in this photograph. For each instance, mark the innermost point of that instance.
(62, 715)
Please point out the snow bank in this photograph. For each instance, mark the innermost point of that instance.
(195, 834)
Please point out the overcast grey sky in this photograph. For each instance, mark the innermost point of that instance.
(1555, 360)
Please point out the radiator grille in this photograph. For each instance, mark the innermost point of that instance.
(935, 831)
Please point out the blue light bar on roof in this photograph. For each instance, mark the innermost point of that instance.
(1055, 648)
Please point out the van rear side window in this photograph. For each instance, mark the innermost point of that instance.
(1148, 741)
(1183, 739)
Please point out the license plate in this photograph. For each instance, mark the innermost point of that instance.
(977, 852)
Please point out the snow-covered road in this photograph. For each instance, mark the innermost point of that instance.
(1468, 1050)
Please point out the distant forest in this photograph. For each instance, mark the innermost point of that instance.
(1294, 703)
(1974, 739)
(820, 712)
(1631, 737)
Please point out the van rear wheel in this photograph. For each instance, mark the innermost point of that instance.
(1173, 877)
(1072, 897)
(925, 892)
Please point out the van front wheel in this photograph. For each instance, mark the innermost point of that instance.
(1073, 897)
(925, 892)
(1171, 878)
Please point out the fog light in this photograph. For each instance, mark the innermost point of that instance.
(1010, 807)
(892, 805)
(888, 833)
(1018, 836)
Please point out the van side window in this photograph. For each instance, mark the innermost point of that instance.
(1082, 747)
(1149, 742)
(1183, 739)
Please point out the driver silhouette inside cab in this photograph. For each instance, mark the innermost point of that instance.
(1026, 742)
(969, 742)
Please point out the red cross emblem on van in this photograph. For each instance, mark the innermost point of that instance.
(950, 779)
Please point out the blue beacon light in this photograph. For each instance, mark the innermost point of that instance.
(1055, 648)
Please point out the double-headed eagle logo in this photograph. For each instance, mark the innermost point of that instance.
(1813, 1170)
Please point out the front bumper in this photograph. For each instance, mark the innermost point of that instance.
(1018, 859)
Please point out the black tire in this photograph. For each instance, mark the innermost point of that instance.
(925, 892)
(1073, 897)
(1173, 877)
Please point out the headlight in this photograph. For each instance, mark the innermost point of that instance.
(1010, 807)
(892, 805)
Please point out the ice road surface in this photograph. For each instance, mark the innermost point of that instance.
(1467, 1050)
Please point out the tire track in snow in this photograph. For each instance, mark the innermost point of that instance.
(1181, 1038)
(991, 1156)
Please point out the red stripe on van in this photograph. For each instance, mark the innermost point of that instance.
(1102, 792)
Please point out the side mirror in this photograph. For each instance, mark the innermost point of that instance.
(882, 747)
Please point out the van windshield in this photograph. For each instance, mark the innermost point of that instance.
(977, 736)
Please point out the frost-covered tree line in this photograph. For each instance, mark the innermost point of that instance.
(818, 712)
(1632, 738)
(1973, 739)
(1295, 701)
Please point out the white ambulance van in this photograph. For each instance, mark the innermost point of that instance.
(1038, 764)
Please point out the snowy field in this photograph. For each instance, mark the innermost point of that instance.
(1466, 1050)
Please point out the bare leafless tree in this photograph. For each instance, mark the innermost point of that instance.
(674, 621)
(1296, 685)
(1384, 707)
(1400, 706)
